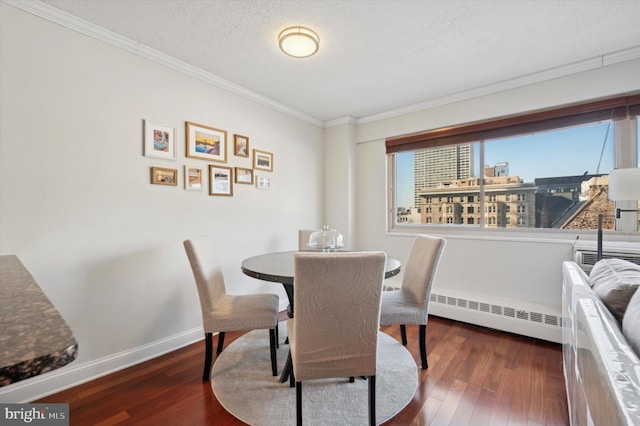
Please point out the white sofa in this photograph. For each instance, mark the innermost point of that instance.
(600, 349)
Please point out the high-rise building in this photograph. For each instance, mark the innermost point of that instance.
(436, 165)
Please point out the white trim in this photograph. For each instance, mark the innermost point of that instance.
(94, 31)
(75, 374)
(544, 75)
(348, 120)
(84, 27)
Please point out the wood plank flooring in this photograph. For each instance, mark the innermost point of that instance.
(476, 377)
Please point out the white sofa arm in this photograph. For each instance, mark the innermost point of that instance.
(601, 370)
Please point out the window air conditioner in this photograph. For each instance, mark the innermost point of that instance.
(587, 258)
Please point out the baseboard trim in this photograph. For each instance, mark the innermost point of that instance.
(75, 374)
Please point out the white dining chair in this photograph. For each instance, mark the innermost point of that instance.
(303, 239)
(222, 312)
(334, 332)
(410, 303)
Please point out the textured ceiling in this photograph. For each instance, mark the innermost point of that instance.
(375, 56)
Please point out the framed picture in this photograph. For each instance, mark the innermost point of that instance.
(220, 182)
(163, 176)
(263, 182)
(241, 145)
(243, 175)
(206, 143)
(193, 178)
(262, 160)
(159, 141)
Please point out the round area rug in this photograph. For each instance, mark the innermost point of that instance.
(242, 382)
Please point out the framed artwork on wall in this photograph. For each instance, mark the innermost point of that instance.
(220, 182)
(206, 143)
(159, 141)
(193, 178)
(262, 160)
(263, 182)
(164, 176)
(244, 176)
(241, 145)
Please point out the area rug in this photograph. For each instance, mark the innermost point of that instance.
(242, 382)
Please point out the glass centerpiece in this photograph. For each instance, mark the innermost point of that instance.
(326, 239)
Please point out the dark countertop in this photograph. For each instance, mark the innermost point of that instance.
(34, 338)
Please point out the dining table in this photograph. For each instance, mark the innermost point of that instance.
(278, 267)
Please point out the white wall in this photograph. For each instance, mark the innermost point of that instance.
(521, 270)
(78, 209)
(105, 245)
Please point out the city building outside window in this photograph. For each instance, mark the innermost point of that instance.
(553, 178)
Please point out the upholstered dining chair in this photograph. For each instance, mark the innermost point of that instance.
(410, 303)
(303, 239)
(334, 332)
(222, 312)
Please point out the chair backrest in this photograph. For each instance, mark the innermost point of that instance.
(303, 239)
(207, 274)
(422, 266)
(337, 313)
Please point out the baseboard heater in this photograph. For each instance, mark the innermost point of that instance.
(520, 317)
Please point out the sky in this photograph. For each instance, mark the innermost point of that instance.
(567, 152)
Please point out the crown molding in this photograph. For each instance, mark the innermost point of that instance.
(84, 27)
(342, 121)
(81, 26)
(538, 77)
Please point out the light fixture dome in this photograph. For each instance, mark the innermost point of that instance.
(299, 42)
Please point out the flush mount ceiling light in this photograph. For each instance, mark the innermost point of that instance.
(299, 42)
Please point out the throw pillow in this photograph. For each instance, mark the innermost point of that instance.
(631, 323)
(615, 281)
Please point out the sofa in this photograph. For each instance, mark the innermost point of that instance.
(601, 342)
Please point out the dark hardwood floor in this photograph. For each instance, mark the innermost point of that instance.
(476, 377)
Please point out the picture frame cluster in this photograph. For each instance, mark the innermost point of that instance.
(207, 143)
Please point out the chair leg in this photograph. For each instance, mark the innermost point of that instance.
(299, 403)
(220, 342)
(208, 354)
(423, 346)
(403, 333)
(292, 378)
(272, 346)
(372, 400)
(277, 336)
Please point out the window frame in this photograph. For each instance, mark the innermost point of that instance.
(623, 109)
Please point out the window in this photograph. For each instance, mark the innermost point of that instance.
(533, 173)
